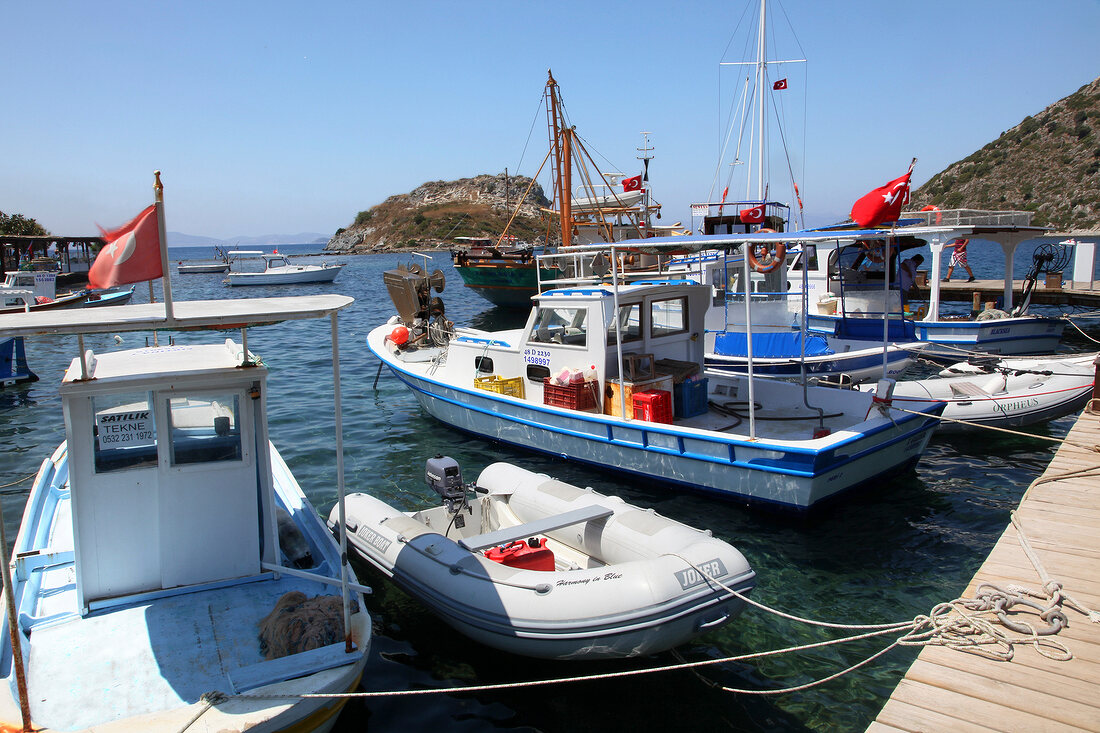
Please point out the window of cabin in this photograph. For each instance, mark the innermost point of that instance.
(630, 323)
(125, 432)
(205, 428)
(668, 316)
(808, 254)
(560, 326)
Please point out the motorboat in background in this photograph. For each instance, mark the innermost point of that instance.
(42, 285)
(166, 550)
(278, 270)
(612, 375)
(531, 565)
(220, 263)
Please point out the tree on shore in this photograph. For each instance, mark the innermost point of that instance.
(19, 225)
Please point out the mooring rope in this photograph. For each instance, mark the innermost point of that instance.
(964, 624)
(1079, 329)
(1020, 433)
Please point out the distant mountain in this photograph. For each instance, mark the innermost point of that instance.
(178, 239)
(1048, 164)
(433, 214)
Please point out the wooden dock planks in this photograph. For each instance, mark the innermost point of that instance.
(949, 690)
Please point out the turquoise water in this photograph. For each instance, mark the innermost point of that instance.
(881, 555)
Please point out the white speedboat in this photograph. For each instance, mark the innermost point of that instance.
(165, 545)
(1006, 393)
(613, 376)
(278, 270)
(538, 567)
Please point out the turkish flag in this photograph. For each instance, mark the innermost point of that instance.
(755, 215)
(634, 183)
(884, 203)
(131, 255)
(781, 84)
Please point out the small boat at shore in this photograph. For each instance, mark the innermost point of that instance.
(278, 270)
(1005, 393)
(538, 567)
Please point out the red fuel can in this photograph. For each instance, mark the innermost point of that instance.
(530, 555)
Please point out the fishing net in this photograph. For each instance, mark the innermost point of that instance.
(298, 624)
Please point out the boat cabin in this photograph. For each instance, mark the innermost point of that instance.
(595, 332)
(42, 282)
(170, 471)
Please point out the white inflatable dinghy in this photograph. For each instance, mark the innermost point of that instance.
(1005, 393)
(538, 567)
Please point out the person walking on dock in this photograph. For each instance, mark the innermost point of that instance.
(959, 258)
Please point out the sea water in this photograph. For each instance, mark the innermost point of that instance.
(886, 554)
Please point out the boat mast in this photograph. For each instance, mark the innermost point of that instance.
(760, 69)
(645, 157)
(560, 147)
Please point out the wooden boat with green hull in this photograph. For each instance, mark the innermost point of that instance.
(505, 276)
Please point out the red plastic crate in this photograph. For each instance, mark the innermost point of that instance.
(574, 396)
(654, 405)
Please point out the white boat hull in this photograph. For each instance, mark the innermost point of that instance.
(793, 472)
(144, 666)
(1017, 393)
(293, 275)
(629, 584)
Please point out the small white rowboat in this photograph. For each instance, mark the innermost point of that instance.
(577, 574)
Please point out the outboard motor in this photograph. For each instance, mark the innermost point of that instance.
(445, 478)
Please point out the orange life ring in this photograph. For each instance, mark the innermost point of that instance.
(931, 207)
(778, 255)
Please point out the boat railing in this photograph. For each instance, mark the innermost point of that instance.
(970, 217)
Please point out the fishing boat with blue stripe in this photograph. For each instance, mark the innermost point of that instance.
(612, 374)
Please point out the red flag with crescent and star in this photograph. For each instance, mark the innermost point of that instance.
(755, 215)
(884, 203)
(633, 183)
(131, 255)
(779, 85)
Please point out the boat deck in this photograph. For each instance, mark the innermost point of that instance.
(946, 689)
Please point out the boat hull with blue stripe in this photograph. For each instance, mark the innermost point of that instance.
(765, 441)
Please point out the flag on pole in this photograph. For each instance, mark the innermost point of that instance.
(779, 85)
(131, 255)
(634, 183)
(755, 215)
(884, 203)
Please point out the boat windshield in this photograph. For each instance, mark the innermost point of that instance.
(561, 326)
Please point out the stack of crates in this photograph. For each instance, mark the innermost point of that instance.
(654, 405)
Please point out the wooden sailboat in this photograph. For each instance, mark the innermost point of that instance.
(605, 208)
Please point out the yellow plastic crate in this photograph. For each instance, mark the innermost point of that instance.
(512, 387)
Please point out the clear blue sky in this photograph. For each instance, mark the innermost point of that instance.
(284, 117)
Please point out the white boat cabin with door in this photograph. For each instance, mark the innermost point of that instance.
(170, 472)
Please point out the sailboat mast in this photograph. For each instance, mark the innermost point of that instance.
(558, 141)
(760, 68)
